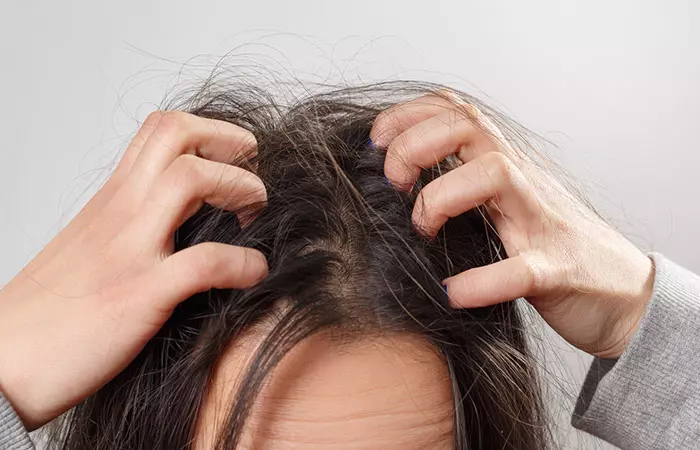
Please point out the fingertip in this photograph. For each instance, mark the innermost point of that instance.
(450, 294)
(423, 221)
(257, 198)
(378, 135)
(255, 268)
(458, 299)
(401, 177)
(248, 143)
(247, 215)
(380, 141)
(424, 230)
(420, 222)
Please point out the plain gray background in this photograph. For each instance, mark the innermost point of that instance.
(613, 83)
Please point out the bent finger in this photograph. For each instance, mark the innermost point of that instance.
(200, 268)
(133, 151)
(502, 281)
(393, 121)
(189, 183)
(178, 133)
(491, 178)
(103, 196)
(431, 141)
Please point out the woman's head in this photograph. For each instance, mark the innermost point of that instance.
(350, 341)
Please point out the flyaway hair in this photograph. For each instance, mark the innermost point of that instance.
(344, 258)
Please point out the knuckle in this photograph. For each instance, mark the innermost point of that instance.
(533, 274)
(557, 224)
(182, 179)
(499, 168)
(449, 96)
(471, 111)
(172, 122)
(153, 118)
(184, 165)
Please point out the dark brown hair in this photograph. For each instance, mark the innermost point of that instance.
(345, 257)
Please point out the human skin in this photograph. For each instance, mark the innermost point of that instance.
(89, 302)
(390, 391)
(91, 299)
(586, 280)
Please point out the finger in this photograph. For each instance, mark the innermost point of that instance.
(189, 182)
(125, 164)
(136, 145)
(200, 268)
(431, 141)
(395, 120)
(98, 202)
(490, 178)
(499, 282)
(179, 133)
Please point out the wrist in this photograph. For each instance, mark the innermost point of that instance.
(632, 315)
(15, 357)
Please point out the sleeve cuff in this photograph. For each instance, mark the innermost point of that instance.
(13, 436)
(649, 398)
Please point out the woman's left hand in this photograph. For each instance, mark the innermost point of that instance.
(586, 280)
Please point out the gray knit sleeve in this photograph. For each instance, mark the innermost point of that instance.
(13, 436)
(649, 398)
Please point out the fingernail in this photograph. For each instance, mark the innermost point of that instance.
(444, 288)
(370, 143)
(386, 180)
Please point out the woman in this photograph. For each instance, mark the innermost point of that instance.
(93, 300)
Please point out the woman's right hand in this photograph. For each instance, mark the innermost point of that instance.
(89, 302)
(586, 280)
